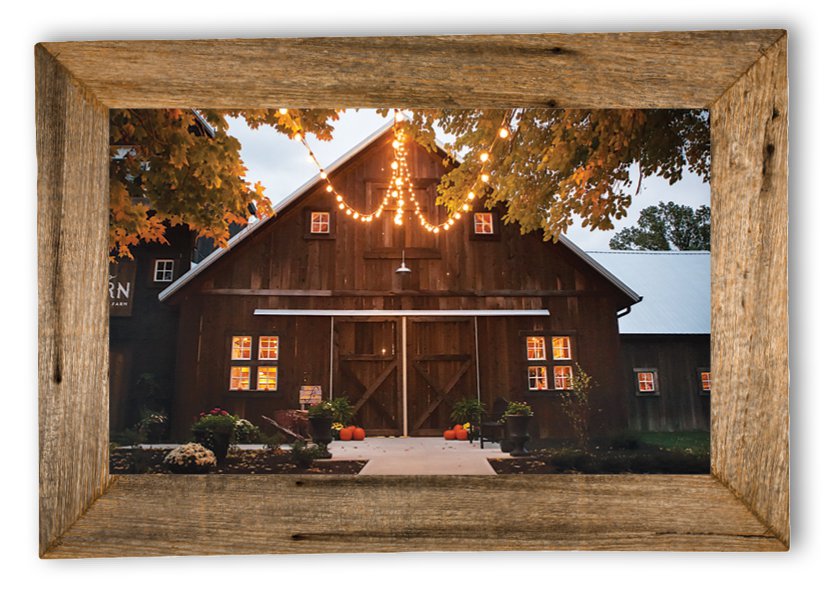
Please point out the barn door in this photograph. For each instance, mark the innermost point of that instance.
(368, 372)
(441, 370)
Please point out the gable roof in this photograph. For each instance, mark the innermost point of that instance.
(304, 190)
(675, 286)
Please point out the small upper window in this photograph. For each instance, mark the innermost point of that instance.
(319, 223)
(535, 348)
(241, 347)
(561, 349)
(562, 377)
(484, 223)
(267, 379)
(164, 270)
(646, 381)
(706, 381)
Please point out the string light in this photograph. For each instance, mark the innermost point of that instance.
(401, 189)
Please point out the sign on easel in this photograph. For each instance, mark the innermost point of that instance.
(310, 395)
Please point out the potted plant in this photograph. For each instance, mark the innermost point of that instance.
(516, 417)
(468, 411)
(215, 430)
(321, 417)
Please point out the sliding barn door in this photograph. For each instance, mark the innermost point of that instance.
(441, 370)
(368, 371)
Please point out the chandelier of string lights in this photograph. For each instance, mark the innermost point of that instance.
(400, 192)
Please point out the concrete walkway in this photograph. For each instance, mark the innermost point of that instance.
(393, 456)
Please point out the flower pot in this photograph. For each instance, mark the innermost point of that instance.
(217, 442)
(320, 429)
(518, 430)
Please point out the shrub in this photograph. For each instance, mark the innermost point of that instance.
(303, 456)
(342, 410)
(467, 409)
(246, 432)
(517, 408)
(575, 404)
(324, 408)
(191, 458)
(272, 441)
(152, 424)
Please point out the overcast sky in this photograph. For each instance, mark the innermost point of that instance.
(281, 165)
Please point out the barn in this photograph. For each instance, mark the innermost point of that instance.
(400, 320)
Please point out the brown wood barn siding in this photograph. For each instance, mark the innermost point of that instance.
(680, 405)
(449, 271)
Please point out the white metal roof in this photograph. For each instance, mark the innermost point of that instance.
(675, 286)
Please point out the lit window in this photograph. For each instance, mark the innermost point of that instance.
(268, 347)
(706, 381)
(561, 349)
(647, 381)
(484, 224)
(537, 378)
(535, 348)
(164, 270)
(320, 222)
(239, 378)
(241, 347)
(562, 376)
(267, 378)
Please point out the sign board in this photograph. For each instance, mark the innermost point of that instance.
(310, 395)
(121, 288)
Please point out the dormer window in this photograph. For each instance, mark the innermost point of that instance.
(484, 224)
(320, 222)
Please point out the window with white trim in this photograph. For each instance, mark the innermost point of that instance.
(268, 347)
(535, 348)
(241, 347)
(319, 222)
(239, 378)
(267, 378)
(646, 381)
(561, 347)
(705, 380)
(484, 223)
(164, 270)
(537, 378)
(562, 377)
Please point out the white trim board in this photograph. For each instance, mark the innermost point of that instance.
(270, 312)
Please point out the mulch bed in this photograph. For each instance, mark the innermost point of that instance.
(572, 461)
(263, 461)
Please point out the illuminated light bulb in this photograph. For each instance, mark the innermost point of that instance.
(323, 174)
(310, 157)
(396, 143)
(484, 177)
(348, 212)
(471, 195)
(340, 205)
(466, 207)
(394, 165)
(503, 133)
(401, 202)
(436, 230)
(329, 188)
(398, 116)
(297, 136)
(457, 216)
(394, 193)
(283, 111)
(368, 218)
(484, 156)
(356, 216)
(398, 221)
(450, 221)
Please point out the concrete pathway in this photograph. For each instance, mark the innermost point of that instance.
(393, 456)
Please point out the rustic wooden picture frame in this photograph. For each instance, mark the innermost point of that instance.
(741, 76)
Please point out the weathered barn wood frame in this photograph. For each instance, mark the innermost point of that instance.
(741, 76)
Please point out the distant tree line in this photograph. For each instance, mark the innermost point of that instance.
(667, 226)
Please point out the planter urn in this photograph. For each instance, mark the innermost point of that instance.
(518, 430)
(320, 428)
(217, 442)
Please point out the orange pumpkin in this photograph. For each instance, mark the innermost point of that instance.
(351, 428)
(346, 434)
(449, 435)
(457, 427)
(359, 434)
(461, 435)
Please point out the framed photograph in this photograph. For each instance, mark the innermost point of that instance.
(233, 386)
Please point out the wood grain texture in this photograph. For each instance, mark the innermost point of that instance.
(750, 417)
(185, 515)
(170, 515)
(618, 70)
(72, 189)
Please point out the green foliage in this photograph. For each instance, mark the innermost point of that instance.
(303, 456)
(342, 410)
(517, 408)
(152, 424)
(246, 432)
(129, 436)
(576, 406)
(322, 409)
(666, 226)
(468, 409)
(273, 440)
